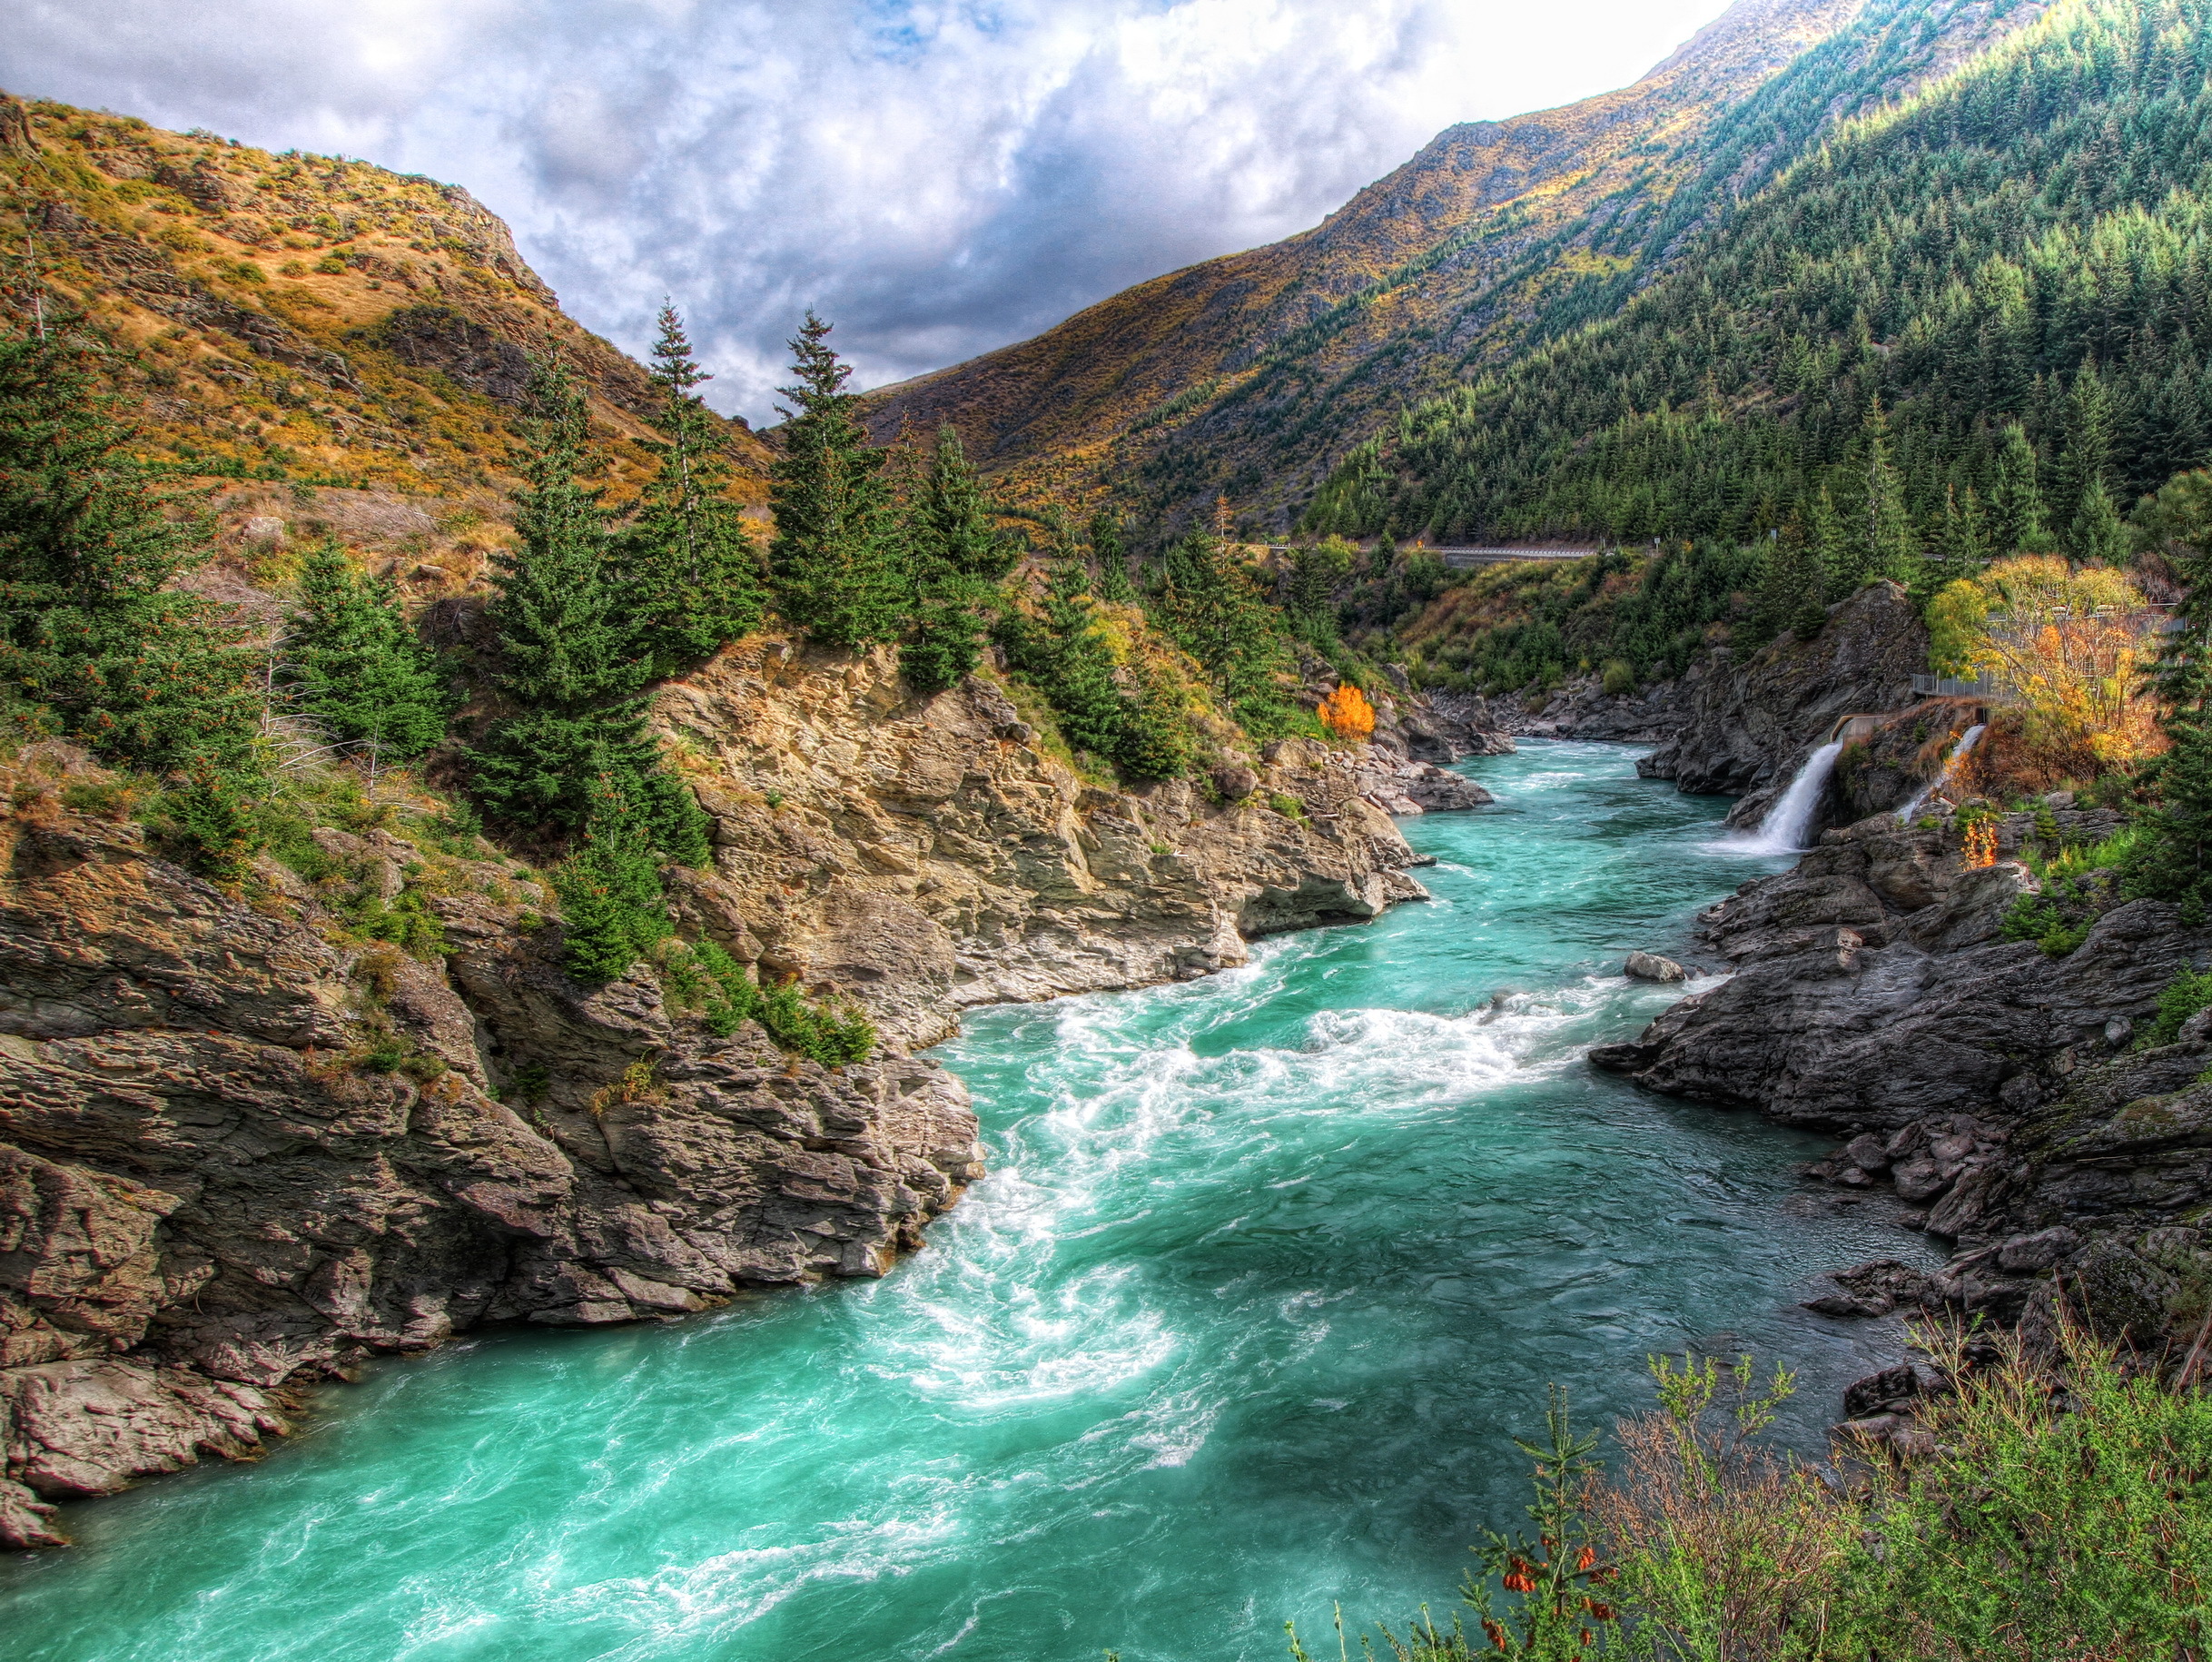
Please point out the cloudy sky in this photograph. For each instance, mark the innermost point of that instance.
(938, 177)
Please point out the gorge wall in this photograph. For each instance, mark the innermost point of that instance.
(1999, 1090)
(244, 1147)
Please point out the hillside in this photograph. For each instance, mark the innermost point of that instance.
(346, 344)
(1968, 325)
(1251, 375)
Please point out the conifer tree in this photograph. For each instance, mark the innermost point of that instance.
(690, 568)
(362, 675)
(954, 559)
(1887, 546)
(1309, 589)
(1790, 590)
(1960, 537)
(1212, 610)
(1830, 545)
(834, 564)
(613, 909)
(2018, 518)
(1111, 558)
(576, 739)
(94, 643)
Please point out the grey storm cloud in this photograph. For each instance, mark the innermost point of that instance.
(937, 179)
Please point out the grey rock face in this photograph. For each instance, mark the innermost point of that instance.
(210, 1195)
(1747, 730)
(1874, 996)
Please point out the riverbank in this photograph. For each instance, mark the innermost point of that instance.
(1269, 1266)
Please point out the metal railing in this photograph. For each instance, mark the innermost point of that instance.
(1983, 685)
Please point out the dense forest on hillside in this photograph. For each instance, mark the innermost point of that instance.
(1971, 323)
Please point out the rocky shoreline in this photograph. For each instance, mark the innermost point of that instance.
(1996, 1090)
(244, 1148)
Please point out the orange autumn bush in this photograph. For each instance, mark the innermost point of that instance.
(2071, 643)
(1346, 713)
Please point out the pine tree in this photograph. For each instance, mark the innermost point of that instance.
(1309, 589)
(1212, 610)
(954, 559)
(833, 564)
(613, 909)
(2097, 535)
(1108, 553)
(691, 571)
(1961, 539)
(2018, 518)
(2089, 447)
(2173, 860)
(1828, 544)
(362, 675)
(568, 670)
(93, 642)
(1790, 591)
(1887, 546)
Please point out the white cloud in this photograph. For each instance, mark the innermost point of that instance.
(939, 177)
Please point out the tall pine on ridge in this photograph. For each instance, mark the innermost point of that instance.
(954, 559)
(690, 568)
(834, 562)
(574, 743)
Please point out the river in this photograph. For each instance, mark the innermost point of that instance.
(1267, 1270)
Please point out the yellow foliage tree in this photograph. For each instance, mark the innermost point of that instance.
(1346, 713)
(2071, 643)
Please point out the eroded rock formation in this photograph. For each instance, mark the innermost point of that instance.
(240, 1147)
(1997, 1089)
(1746, 730)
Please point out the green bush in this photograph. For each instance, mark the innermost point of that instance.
(2056, 1511)
(1620, 679)
(2187, 993)
(706, 979)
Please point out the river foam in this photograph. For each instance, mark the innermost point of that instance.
(1267, 1270)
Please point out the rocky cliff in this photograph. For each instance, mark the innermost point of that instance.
(245, 1144)
(1745, 729)
(1998, 1090)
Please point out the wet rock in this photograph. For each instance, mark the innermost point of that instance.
(1874, 1290)
(1651, 967)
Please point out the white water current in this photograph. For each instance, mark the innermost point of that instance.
(1966, 743)
(1784, 828)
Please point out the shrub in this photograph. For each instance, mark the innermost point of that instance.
(2055, 1511)
(2187, 993)
(1346, 713)
(706, 977)
(1620, 679)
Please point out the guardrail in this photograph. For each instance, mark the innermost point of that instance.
(1953, 687)
(1462, 559)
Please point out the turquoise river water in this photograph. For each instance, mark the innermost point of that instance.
(1269, 1268)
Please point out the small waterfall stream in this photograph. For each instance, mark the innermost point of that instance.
(1967, 741)
(1784, 829)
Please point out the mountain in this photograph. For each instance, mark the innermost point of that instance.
(327, 333)
(1979, 313)
(1253, 374)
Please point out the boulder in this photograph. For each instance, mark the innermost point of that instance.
(1651, 967)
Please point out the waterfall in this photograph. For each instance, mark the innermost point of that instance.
(1784, 829)
(1966, 743)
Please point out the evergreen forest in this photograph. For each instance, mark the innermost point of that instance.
(1966, 327)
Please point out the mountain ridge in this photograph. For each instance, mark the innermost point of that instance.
(1251, 375)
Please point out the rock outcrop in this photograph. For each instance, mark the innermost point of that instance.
(923, 858)
(1579, 708)
(1994, 1089)
(1748, 729)
(242, 1146)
